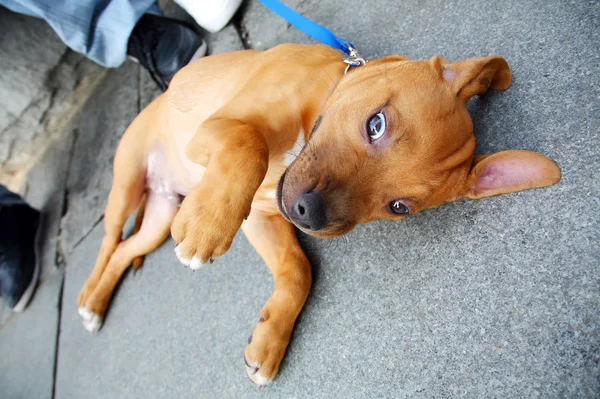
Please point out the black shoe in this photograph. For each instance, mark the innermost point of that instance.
(163, 46)
(19, 271)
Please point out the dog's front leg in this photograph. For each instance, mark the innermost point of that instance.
(275, 240)
(236, 158)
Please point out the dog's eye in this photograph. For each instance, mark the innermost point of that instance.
(376, 126)
(398, 208)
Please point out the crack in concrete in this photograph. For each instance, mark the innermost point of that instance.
(12, 143)
(240, 26)
(57, 341)
(87, 233)
(29, 106)
(60, 256)
(8, 319)
(42, 118)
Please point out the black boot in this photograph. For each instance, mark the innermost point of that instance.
(19, 269)
(163, 46)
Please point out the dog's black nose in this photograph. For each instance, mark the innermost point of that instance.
(309, 211)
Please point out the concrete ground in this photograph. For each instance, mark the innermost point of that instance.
(492, 298)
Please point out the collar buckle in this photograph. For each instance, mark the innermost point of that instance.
(353, 59)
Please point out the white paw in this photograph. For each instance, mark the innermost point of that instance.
(185, 261)
(195, 263)
(258, 379)
(91, 321)
(252, 369)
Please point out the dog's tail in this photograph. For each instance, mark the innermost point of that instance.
(139, 217)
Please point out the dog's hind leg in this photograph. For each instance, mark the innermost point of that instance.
(275, 240)
(129, 180)
(139, 217)
(122, 202)
(154, 230)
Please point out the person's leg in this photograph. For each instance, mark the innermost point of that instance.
(99, 29)
(107, 31)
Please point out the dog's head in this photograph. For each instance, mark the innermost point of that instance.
(395, 137)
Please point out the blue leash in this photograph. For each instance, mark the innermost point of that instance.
(316, 31)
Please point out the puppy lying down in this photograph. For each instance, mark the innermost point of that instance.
(214, 153)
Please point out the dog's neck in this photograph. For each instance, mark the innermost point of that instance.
(320, 95)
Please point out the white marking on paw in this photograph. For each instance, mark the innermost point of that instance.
(195, 264)
(260, 380)
(82, 311)
(252, 369)
(93, 325)
(91, 321)
(185, 261)
(85, 314)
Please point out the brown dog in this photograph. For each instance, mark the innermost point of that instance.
(384, 140)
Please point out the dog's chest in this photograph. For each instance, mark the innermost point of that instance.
(173, 178)
(265, 199)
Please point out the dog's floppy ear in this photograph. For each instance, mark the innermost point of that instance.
(476, 76)
(508, 171)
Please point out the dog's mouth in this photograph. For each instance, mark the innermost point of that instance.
(280, 203)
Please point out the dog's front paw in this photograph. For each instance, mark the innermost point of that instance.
(265, 350)
(204, 229)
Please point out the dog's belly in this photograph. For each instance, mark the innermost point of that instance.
(162, 177)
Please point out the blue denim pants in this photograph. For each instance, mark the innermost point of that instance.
(98, 29)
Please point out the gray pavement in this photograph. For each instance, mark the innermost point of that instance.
(43, 85)
(492, 298)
